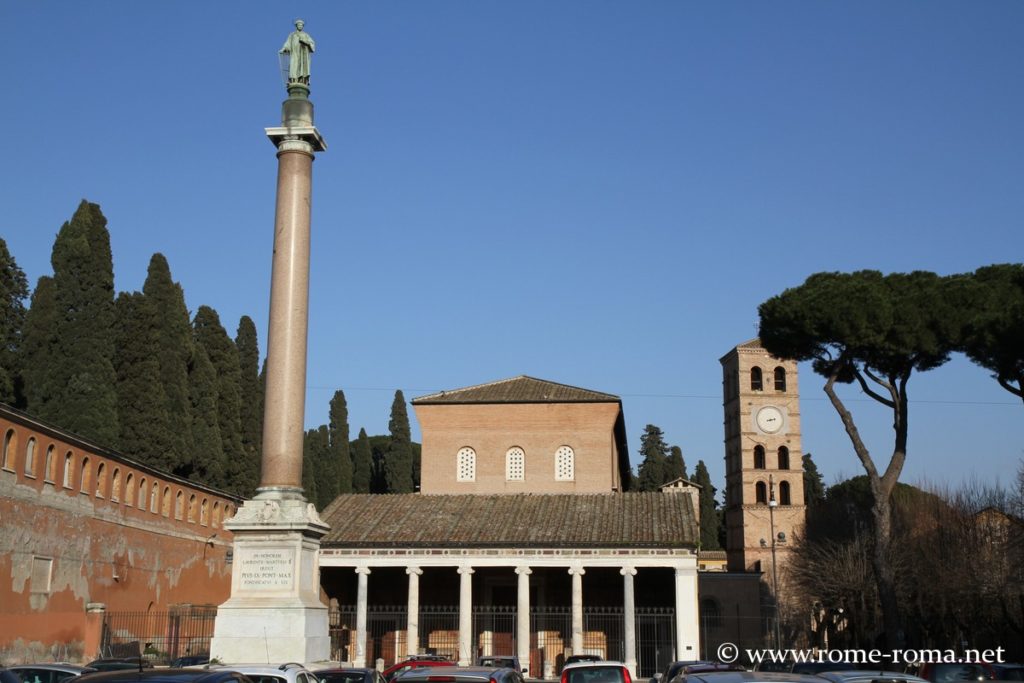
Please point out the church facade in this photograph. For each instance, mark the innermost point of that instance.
(520, 542)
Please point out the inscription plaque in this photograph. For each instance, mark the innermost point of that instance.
(266, 569)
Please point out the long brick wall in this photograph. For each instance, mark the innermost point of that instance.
(82, 526)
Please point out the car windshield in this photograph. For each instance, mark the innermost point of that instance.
(342, 677)
(596, 674)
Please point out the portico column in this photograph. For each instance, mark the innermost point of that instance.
(629, 618)
(577, 573)
(687, 616)
(412, 636)
(465, 616)
(523, 617)
(360, 659)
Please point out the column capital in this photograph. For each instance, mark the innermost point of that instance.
(414, 570)
(466, 570)
(523, 570)
(628, 570)
(577, 569)
(362, 570)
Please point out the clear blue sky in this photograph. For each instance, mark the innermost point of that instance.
(596, 193)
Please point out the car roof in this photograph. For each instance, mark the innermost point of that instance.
(869, 675)
(157, 676)
(54, 666)
(752, 677)
(457, 671)
(587, 665)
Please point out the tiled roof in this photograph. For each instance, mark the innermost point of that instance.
(521, 389)
(601, 520)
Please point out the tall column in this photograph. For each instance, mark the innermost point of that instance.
(687, 614)
(412, 636)
(359, 660)
(629, 618)
(275, 576)
(577, 573)
(523, 617)
(466, 616)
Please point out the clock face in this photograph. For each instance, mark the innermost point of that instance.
(769, 419)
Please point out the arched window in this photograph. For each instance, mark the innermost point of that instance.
(783, 458)
(758, 457)
(215, 518)
(129, 489)
(761, 491)
(192, 509)
(10, 443)
(784, 496)
(30, 458)
(69, 468)
(780, 379)
(179, 504)
(115, 486)
(86, 478)
(515, 464)
(565, 466)
(710, 613)
(142, 494)
(204, 513)
(465, 464)
(165, 508)
(49, 468)
(154, 498)
(756, 383)
(101, 479)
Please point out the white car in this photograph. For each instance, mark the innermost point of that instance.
(596, 672)
(270, 673)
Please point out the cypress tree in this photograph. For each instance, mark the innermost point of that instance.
(655, 451)
(814, 485)
(141, 402)
(339, 441)
(208, 462)
(13, 292)
(39, 348)
(251, 389)
(675, 466)
(309, 466)
(398, 461)
(85, 392)
(362, 464)
(166, 303)
(325, 469)
(709, 521)
(239, 472)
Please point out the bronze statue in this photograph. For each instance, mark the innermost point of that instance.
(298, 46)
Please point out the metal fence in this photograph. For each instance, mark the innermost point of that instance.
(158, 636)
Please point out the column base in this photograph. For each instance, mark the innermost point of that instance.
(273, 634)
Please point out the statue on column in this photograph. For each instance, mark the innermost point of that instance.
(298, 46)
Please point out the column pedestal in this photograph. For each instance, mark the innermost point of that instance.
(274, 609)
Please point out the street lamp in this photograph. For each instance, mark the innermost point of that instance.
(772, 504)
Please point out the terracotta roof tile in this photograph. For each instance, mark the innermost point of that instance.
(521, 389)
(502, 520)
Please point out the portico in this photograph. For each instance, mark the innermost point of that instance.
(537, 576)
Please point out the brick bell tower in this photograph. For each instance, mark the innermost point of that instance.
(764, 483)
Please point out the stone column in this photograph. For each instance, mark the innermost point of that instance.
(629, 618)
(687, 614)
(577, 573)
(275, 606)
(466, 649)
(359, 660)
(412, 635)
(523, 618)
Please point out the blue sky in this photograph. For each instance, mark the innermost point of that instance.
(597, 193)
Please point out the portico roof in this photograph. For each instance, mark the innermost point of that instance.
(521, 389)
(605, 520)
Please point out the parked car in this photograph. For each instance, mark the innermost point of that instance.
(870, 676)
(820, 667)
(164, 676)
(943, 672)
(672, 669)
(682, 676)
(120, 663)
(573, 659)
(596, 672)
(8, 676)
(349, 675)
(269, 673)
(191, 660)
(751, 677)
(461, 674)
(49, 673)
(417, 662)
(1009, 672)
(500, 662)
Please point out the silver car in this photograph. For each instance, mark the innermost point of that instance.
(49, 673)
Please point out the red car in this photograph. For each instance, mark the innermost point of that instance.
(413, 663)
